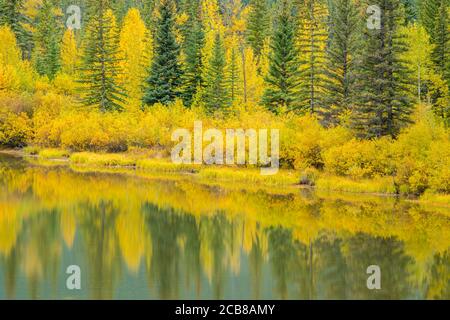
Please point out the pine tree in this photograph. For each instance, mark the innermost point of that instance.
(258, 25)
(411, 10)
(233, 76)
(100, 67)
(341, 55)
(163, 84)
(283, 78)
(11, 15)
(312, 44)
(216, 94)
(47, 39)
(435, 17)
(192, 48)
(383, 105)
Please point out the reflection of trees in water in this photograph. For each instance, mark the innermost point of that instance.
(362, 251)
(191, 240)
(101, 248)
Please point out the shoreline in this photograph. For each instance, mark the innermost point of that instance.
(285, 179)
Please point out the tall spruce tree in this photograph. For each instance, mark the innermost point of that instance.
(383, 106)
(48, 37)
(11, 15)
(312, 41)
(100, 68)
(233, 76)
(342, 54)
(435, 17)
(258, 25)
(216, 94)
(283, 78)
(164, 82)
(192, 47)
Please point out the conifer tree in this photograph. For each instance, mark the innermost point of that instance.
(193, 45)
(342, 51)
(312, 44)
(100, 66)
(164, 82)
(47, 39)
(216, 94)
(436, 20)
(383, 106)
(258, 25)
(233, 76)
(434, 15)
(11, 15)
(283, 78)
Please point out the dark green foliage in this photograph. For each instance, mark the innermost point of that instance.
(165, 80)
(411, 10)
(342, 54)
(283, 79)
(232, 75)
(383, 105)
(435, 17)
(258, 25)
(100, 69)
(193, 45)
(216, 95)
(11, 15)
(47, 39)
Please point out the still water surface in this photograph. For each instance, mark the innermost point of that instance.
(149, 237)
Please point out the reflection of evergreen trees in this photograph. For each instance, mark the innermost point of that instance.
(101, 248)
(363, 251)
(214, 254)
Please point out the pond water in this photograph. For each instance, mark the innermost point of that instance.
(137, 236)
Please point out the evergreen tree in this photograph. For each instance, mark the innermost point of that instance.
(163, 84)
(193, 45)
(11, 15)
(342, 56)
(283, 78)
(233, 76)
(47, 39)
(216, 95)
(100, 64)
(312, 45)
(411, 10)
(383, 105)
(435, 17)
(258, 25)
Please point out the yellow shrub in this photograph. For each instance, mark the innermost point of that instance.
(360, 159)
(15, 129)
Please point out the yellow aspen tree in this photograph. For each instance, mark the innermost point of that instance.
(263, 61)
(213, 25)
(135, 56)
(10, 60)
(69, 53)
(254, 82)
(312, 42)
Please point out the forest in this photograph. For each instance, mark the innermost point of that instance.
(359, 89)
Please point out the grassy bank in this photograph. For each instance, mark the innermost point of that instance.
(142, 163)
